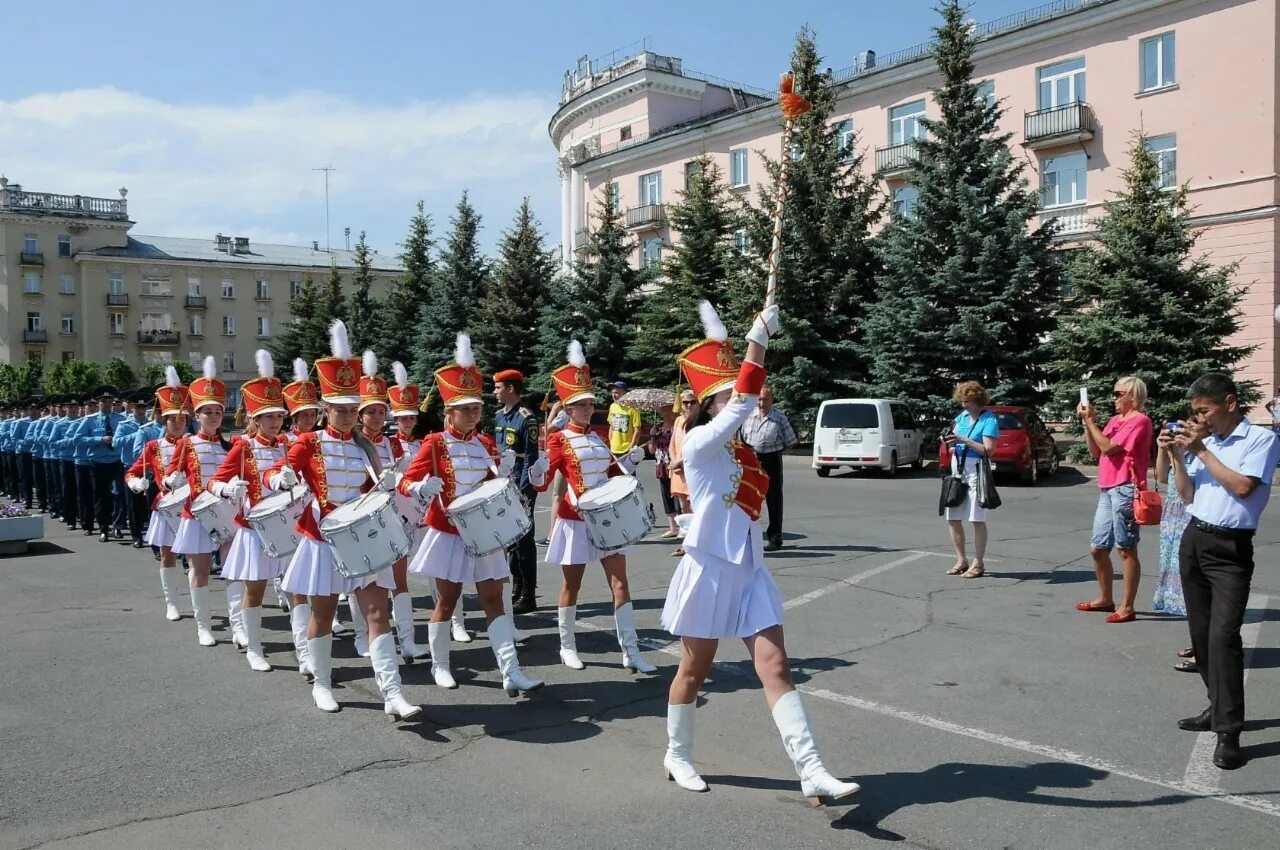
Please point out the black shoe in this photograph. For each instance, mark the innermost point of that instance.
(1199, 723)
(155, 552)
(71, 526)
(104, 538)
(1227, 755)
(526, 604)
(137, 544)
(773, 546)
(89, 532)
(119, 534)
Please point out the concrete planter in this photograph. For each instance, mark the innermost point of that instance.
(16, 531)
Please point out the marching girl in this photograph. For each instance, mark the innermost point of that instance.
(303, 403)
(334, 463)
(194, 462)
(172, 401)
(239, 480)
(448, 465)
(585, 462)
(721, 588)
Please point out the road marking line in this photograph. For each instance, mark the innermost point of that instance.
(852, 580)
(1200, 769)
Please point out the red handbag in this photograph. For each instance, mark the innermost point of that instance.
(1148, 505)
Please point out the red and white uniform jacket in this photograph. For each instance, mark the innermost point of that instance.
(294, 435)
(584, 461)
(154, 459)
(198, 457)
(461, 463)
(408, 448)
(332, 466)
(388, 449)
(248, 459)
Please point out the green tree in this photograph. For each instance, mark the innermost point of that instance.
(362, 314)
(298, 337)
(970, 285)
(75, 377)
(119, 374)
(505, 332)
(331, 307)
(404, 299)
(1142, 304)
(22, 380)
(462, 283)
(152, 376)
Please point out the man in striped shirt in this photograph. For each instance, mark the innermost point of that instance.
(769, 433)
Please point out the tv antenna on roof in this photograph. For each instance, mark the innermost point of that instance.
(326, 169)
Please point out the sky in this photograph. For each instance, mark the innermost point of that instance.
(214, 116)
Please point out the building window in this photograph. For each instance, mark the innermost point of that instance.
(195, 324)
(115, 283)
(624, 135)
(34, 322)
(987, 91)
(904, 201)
(229, 361)
(739, 240)
(904, 122)
(196, 359)
(31, 283)
(738, 167)
(1064, 180)
(264, 326)
(263, 290)
(228, 325)
(228, 288)
(1061, 84)
(844, 140)
(64, 245)
(1164, 149)
(295, 289)
(651, 188)
(68, 324)
(30, 244)
(1156, 57)
(692, 169)
(651, 252)
(68, 356)
(115, 323)
(195, 288)
(152, 322)
(156, 287)
(67, 284)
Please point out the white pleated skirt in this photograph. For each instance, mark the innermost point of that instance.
(569, 544)
(311, 573)
(710, 597)
(248, 561)
(158, 531)
(442, 555)
(192, 539)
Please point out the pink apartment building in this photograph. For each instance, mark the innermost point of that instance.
(1076, 78)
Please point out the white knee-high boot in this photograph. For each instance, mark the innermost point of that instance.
(402, 614)
(386, 672)
(457, 624)
(169, 584)
(438, 640)
(520, 636)
(235, 606)
(299, 618)
(817, 785)
(200, 604)
(625, 622)
(358, 625)
(252, 618)
(678, 762)
(567, 619)
(282, 598)
(321, 651)
(503, 643)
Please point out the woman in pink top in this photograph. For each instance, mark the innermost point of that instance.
(1123, 452)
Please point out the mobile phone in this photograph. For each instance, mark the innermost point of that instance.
(1171, 426)
(1084, 396)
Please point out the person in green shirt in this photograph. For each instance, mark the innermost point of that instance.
(624, 421)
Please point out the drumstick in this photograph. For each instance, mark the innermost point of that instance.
(793, 106)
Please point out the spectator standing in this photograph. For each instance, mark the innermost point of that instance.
(1173, 521)
(1123, 451)
(769, 433)
(624, 421)
(1273, 407)
(689, 411)
(660, 448)
(1226, 483)
(973, 436)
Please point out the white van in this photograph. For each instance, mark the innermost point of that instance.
(865, 432)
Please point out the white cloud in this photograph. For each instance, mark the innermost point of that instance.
(246, 168)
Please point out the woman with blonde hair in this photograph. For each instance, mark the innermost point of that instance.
(972, 436)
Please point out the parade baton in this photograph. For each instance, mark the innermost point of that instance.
(793, 106)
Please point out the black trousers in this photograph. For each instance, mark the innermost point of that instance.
(84, 495)
(25, 475)
(104, 476)
(53, 480)
(1216, 572)
(137, 508)
(771, 463)
(70, 504)
(8, 481)
(522, 558)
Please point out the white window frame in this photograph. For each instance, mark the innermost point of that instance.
(155, 287)
(229, 361)
(195, 324)
(35, 322)
(739, 163)
(650, 252)
(196, 359)
(1070, 71)
(295, 288)
(31, 283)
(67, 324)
(1166, 62)
(195, 286)
(904, 200)
(228, 288)
(844, 139)
(156, 322)
(692, 169)
(738, 239)
(115, 283)
(64, 239)
(228, 325)
(987, 91)
(30, 243)
(264, 327)
(262, 289)
(1052, 193)
(67, 285)
(650, 188)
(904, 122)
(115, 323)
(1164, 149)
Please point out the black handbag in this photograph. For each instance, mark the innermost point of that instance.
(988, 498)
(954, 487)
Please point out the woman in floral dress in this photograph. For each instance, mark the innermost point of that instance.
(1173, 520)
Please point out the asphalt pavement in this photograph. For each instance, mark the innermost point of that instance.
(981, 713)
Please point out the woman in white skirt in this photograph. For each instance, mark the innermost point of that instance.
(302, 401)
(721, 588)
(972, 436)
(239, 481)
(448, 465)
(585, 462)
(195, 460)
(172, 401)
(338, 465)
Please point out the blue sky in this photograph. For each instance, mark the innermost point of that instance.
(214, 114)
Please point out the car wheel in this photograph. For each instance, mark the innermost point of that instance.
(919, 463)
(1055, 464)
(823, 471)
(892, 471)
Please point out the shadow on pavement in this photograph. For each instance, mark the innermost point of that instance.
(1050, 577)
(38, 549)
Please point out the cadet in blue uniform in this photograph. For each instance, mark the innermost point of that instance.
(49, 501)
(64, 454)
(99, 464)
(515, 428)
(6, 422)
(35, 436)
(22, 450)
(136, 508)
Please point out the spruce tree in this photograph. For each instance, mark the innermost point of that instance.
(397, 320)
(331, 306)
(828, 263)
(505, 332)
(970, 282)
(364, 309)
(153, 376)
(461, 284)
(1142, 305)
(298, 336)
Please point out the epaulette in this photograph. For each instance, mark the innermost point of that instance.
(526, 412)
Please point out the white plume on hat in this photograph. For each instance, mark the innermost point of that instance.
(299, 370)
(210, 368)
(266, 366)
(401, 373)
(577, 358)
(171, 377)
(369, 363)
(339, 345)
(462, 354)
(711, 324)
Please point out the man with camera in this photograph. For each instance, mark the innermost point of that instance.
(1222, 466)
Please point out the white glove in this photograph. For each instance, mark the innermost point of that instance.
(428, 488)
(538, 472)
(175, 479)
(235, 489)
(636, 455)
(387, 480)
(285, 479)
(138, 485)
(506, 464)
(765, 326)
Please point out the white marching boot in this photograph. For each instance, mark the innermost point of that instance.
(520, 636)
(358, 625)
(514, 680)
(235, 611)
(338, 629)
(817, 785)
(321, 651)
(168, 584)
(299, 617)
(282, 598)
(200, 604)
(386, 672)
(438, 640)
(567, 618)
(457, 625)
(252, 619)
(402, 616)
(625, 621)
(678, 762)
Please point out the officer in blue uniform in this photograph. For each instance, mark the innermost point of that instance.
(22, 449)
(99, 464)
(515, 428)
(50, 502)
(136, 507)
(36, 437)
(8, 469)
(64, 460)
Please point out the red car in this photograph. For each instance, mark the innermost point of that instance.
(1025, 446)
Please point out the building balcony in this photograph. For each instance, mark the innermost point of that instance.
(16, 199)
(196, 302)
(896, 160)
(262, 299)
(1071, 221)
(35, 336)
(158, 338)
(1060, 125)
(646, 217)
(32, 259)
(121, 300)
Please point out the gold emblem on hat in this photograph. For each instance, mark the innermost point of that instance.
(345, 376)
(724, 357)
(467, 381)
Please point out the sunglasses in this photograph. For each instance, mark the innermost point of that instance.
(687, 403)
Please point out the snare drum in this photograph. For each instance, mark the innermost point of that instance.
(616, 513)
(411, 510)
(490, 517)
(171, 504)
(366, 535)
(217, 515)
(275, 519)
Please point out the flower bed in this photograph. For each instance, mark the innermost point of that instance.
(17, 527)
